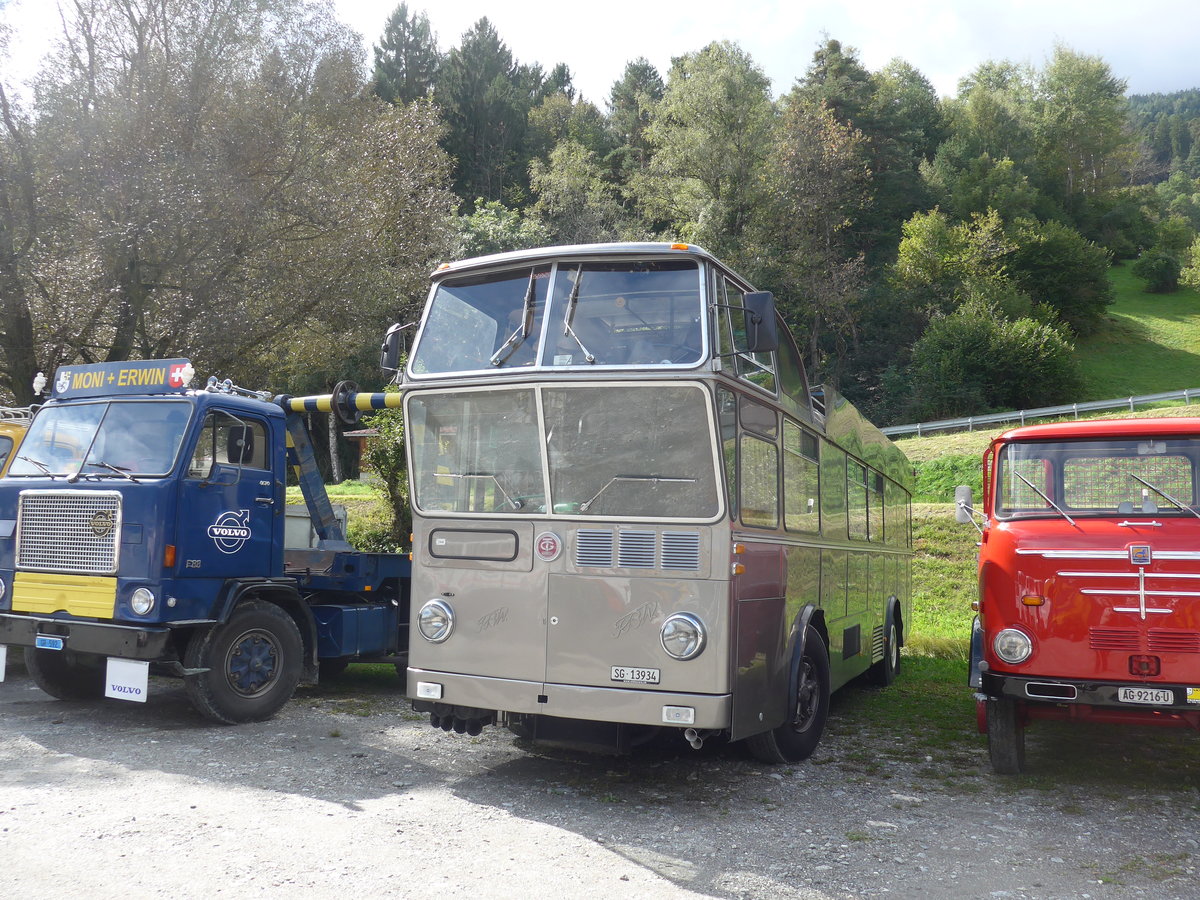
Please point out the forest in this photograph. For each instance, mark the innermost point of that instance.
(242, 183)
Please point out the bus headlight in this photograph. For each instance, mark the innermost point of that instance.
(1012, 646)
(683, 636)
(435, 621)
(142, 601)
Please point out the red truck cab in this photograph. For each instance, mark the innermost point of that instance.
(1089, 578)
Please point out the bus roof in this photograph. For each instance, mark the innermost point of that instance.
(627, 248)
(1105, 428)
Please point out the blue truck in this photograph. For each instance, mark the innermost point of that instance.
(142, 532)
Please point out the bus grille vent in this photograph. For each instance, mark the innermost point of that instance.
(594, 548)
(635, 549)
(877, 645)
(681, 550)
(1113, 639)
(1163, 641)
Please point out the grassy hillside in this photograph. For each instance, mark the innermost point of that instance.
(1150, 344)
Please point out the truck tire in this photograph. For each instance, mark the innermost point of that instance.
(798, 737)
(1006, 737)
(253, 662)
(65, 674)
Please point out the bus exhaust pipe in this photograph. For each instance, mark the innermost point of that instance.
(696, 738)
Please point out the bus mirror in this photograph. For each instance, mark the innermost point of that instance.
(761, 334)
(389, 353)
(964, 504)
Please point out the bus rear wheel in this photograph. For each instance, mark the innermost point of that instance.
(253, 664)
(1006, 737)
(797, 738)
(885, 671)
(65, 674)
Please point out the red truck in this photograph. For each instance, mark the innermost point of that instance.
(1089, 578)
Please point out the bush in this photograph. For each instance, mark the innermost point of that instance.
(975, 361)
(1159, 269)
(937, 478)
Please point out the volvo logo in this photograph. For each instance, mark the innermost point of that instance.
(102, 523)
(231, 530)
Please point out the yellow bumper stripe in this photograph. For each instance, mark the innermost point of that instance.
(93, 596)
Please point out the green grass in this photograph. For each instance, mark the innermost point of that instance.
(943, 582)
(1150, 344)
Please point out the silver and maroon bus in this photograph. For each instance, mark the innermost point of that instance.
(630, 512)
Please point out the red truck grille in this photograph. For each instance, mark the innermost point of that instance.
(1158, 640)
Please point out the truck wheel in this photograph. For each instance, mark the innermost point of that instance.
(885, 671)
(253, 663)
(1006, 737)
(66, 674)
(797, 738)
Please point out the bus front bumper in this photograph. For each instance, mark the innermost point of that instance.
(631, 706)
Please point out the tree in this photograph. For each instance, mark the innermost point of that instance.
(406, 58)
(630, 102)
(711, 134)
(575, 203)
(1058, 267)
(1160, 269)
(494, 228)
(215, 183)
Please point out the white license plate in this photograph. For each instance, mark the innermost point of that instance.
(1148, 696)
(631, 675)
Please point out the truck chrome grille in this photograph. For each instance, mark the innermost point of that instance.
(69, 531)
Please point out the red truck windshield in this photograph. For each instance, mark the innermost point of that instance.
(1112, 477)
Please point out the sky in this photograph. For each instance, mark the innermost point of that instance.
(1151, 44)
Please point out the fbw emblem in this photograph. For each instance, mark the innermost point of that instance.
(231, 530)
(1139, 554)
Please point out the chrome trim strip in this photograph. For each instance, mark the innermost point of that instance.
(1126, 575)
(1117, 593)
(1106, 554)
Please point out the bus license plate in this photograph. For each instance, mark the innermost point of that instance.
(48, 643)
(1148, 696)
(630, 675)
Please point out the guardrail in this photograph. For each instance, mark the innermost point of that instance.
(1024, 415)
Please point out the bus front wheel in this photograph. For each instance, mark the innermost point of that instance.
(1006, 737)
(808, 708)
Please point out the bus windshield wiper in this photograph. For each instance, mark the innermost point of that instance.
(1039, 492)
(570, 317)
(651, 479)
(1164, 495)
(516, 502)
(500, 357)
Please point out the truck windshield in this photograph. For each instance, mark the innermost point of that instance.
(597, 450)
(114, 439)
(1114, 477)
(583, 314)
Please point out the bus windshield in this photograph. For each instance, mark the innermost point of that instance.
(573, 314)
(116, 439)
(1113, 477)
(630, 451)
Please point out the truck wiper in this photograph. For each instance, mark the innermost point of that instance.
(570, 317)
(516, 503)
(1164, 494)
(120, 470)
(651, 479)
(1039, 492)
(37, 462)
(515, 339)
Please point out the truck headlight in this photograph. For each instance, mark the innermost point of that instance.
(142, 601)
(683, 636)
(1012, 646)
(435, 621)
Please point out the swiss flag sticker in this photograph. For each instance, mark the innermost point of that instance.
(175, 377)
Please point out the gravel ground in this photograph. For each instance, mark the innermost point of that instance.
(348, 792)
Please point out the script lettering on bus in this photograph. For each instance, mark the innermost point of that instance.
(634, 620)
(492, 619)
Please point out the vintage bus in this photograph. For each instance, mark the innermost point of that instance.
(1089, 578)
(630, 512)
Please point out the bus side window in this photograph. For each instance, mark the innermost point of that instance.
(727, 423)
(801, 480)
(856, 499)
(876, 526)
(760, 482)
(833, 492)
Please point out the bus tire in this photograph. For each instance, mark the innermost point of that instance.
(885, 671)
(798, 737)
(65, 674)
(253, 664)
(1006, 737)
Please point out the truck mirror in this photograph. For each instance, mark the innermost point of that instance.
(761, 333)
(964, 504)
(389, 353)
(239, 445)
